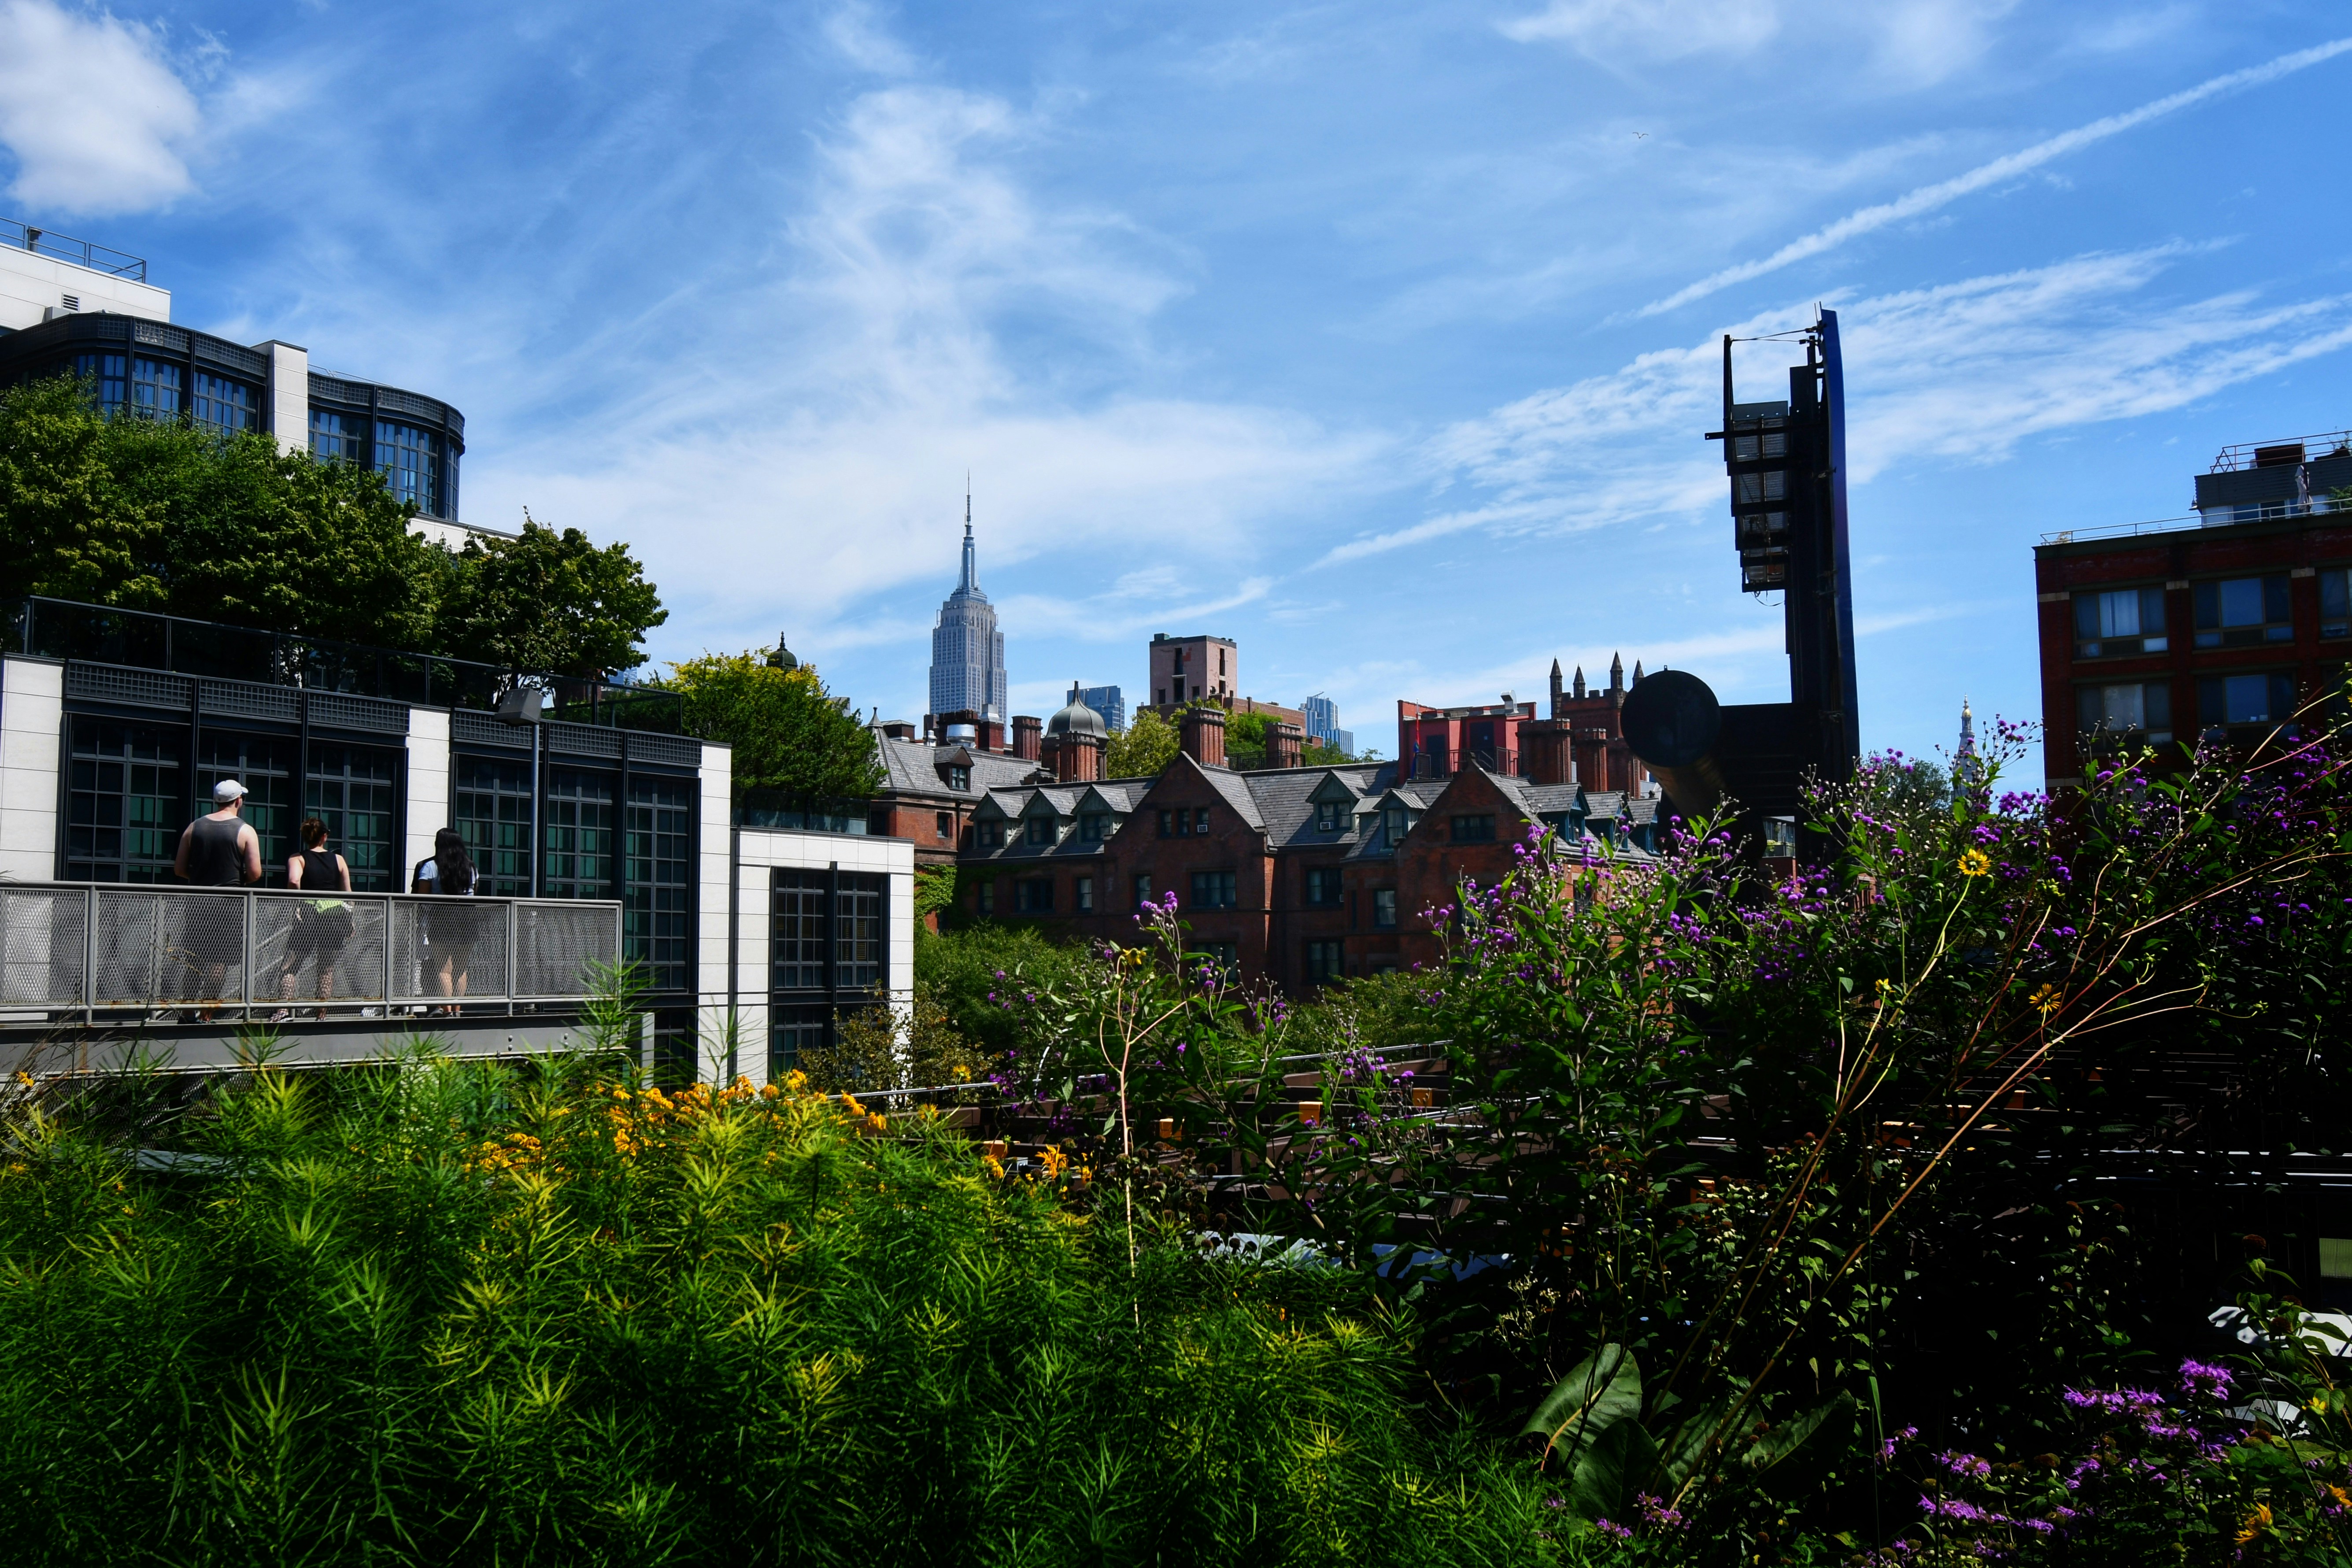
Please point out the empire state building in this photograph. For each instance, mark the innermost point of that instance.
(967, 650)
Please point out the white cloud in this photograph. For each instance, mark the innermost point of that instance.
(856, 31)
(1966, 372)
(1650, 29)
(1928, 198)
(1909, 42)
(91, 111)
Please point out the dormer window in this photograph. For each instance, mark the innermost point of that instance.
(1393, 825)
(1038, 830)
(958, 776)
(988, 835)
(1331, 815)
(1094, 826)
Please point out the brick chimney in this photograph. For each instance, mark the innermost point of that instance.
(1283, 741)
(1077, 759)
(1027, 730)
(1546, 751)
(1204, 736)
(992, 735)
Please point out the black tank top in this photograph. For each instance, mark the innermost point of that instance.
(212, 859)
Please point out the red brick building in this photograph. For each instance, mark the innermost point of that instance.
(2222, 627)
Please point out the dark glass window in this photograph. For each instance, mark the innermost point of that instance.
(1331, 815)
(109, 377)
(489, 805)
(2259, 698)
(1033, 895)
(2131, 712)
(656, 918)
(2335, 602)
(1393, 825)
(154, 388)
(410, 462)
(1083, 888)
(1200, 819)
(2120, 622)
(988, 835)
(1037, 830)
(1323, 886)
(947, 825)
(794, 1027)
(2243, 612)
(857, 949)
(797, 942)
(578, 842)
(353, 790)
(1214, 891)
(341, 437)
(1094, 826)
(125, 802)
(984, 898)
(1144, 887)
(1384, 909)
(1474, 828)
(959, 777)
(264, 765)
(1325, 963)
(223, 405)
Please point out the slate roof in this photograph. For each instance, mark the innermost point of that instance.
(912, 767)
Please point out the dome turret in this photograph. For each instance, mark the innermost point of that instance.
(781, 657)
(1077, 718)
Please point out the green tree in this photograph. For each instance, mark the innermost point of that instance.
(789, 735)
(1148, 745)
(67, 527)
(551, 602)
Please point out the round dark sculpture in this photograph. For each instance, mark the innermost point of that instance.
(1671, 719)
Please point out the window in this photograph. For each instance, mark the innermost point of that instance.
(983, 899)
(958, 776)
(223, 405)
(2335, 602)
(1037, 830)
(577, 839)
(1753, 489)
(1325, 964)
(1476, 828)
(2243, 612)
(1323, 886)
(2139, 710)
(353, 790)
(265, 765)
(154, 388)
(1331, 815)
(125, 801)
(858, 946)
(1083, 890)
(410, 462)
(2263, 699)
(988, 835)
(796, 940)
(109, 378)
(1033, 895)
(656, 918)
(1212, 891)
(1094, 826)
(489, 805)
(947, 825)
(2126, 621)
(1200, 819)
(1143, 888)
(1394, 825)
(1384, 909)
(1749, 448)
(794, 1028)
(1180, 823)
(337, 437)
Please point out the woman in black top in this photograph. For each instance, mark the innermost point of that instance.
(321, 925)
(448, 935)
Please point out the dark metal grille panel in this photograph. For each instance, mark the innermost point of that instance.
(452, 941)
(297, 942)
(155, 948)
(109, 683)
(231, 357)
(334, 711)
(41, 933)
(245, 700)
(161, 336)
(391, 402)
(669, 750)
(474, 729)
(583, 740)
(556, 943)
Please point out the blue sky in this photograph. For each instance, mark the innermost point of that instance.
(1379, 337)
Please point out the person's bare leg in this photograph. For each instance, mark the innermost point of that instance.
(326, 987)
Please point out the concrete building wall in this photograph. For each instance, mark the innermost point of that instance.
(428, 784)
(761, 850)
(32, 725)
(31, 286)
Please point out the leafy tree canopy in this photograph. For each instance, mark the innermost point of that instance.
(790, 736)
(552, 601)
(1148, 745)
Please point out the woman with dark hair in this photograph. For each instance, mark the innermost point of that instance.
(449, 937)
(321, 925)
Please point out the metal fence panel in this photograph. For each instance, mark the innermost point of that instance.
(556, 942)
(460, 944)
(153, 948)
(318, 950)
(41, 936)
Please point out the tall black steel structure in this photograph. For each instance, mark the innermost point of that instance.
(1786, 460)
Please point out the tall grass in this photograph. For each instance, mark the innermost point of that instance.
(443, 1313)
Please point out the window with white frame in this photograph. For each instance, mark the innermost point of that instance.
(2117, 621)
(2243, 612)
(2130, 710)
(2262, 698)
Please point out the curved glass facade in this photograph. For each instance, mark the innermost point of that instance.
(223, 405)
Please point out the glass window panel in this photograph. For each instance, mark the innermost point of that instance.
(656, 918)
(339, 437)
(223, 405)
(154, 388)
(578, 843)
(797, 936)
(109, 376)
(857, 929)
(489, 805)
(354, 791)
(125, 805)
(264, 765)
(410, 461)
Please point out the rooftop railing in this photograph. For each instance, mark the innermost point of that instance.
(65, 248)
(2282, 454)
(2212, 517)
(95, 955)
(141, 639)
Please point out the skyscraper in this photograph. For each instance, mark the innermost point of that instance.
(1323, 724)
(967, 650)
(1106, 700)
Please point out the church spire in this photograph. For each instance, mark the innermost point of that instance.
(1616, 672)
(1578, 689)
(971, 584)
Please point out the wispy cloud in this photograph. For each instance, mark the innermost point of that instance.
(1928, 198)
(92, 111)
(1910, 42)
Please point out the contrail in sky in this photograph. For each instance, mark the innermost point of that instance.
(1928, 198)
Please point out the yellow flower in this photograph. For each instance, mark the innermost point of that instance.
(2254, 1523)
(1975, 863)
(877, 1122)
(995, 1166)
(1053, 1162)
(2047, 999)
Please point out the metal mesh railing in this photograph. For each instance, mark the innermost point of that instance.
(74, 950)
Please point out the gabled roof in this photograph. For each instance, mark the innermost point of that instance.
(1117, 797)
(914, 767)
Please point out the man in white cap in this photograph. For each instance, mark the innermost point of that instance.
(218, 850)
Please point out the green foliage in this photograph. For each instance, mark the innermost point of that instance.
(447, 1313)
(790, 736)
(1148, 745)
(162, 515)
(972, 970)
(550, 602)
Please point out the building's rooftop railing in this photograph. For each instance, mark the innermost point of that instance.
(65, 248)
(2216, 517)
(95, 955)
(59, 628)
(2300, 449)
